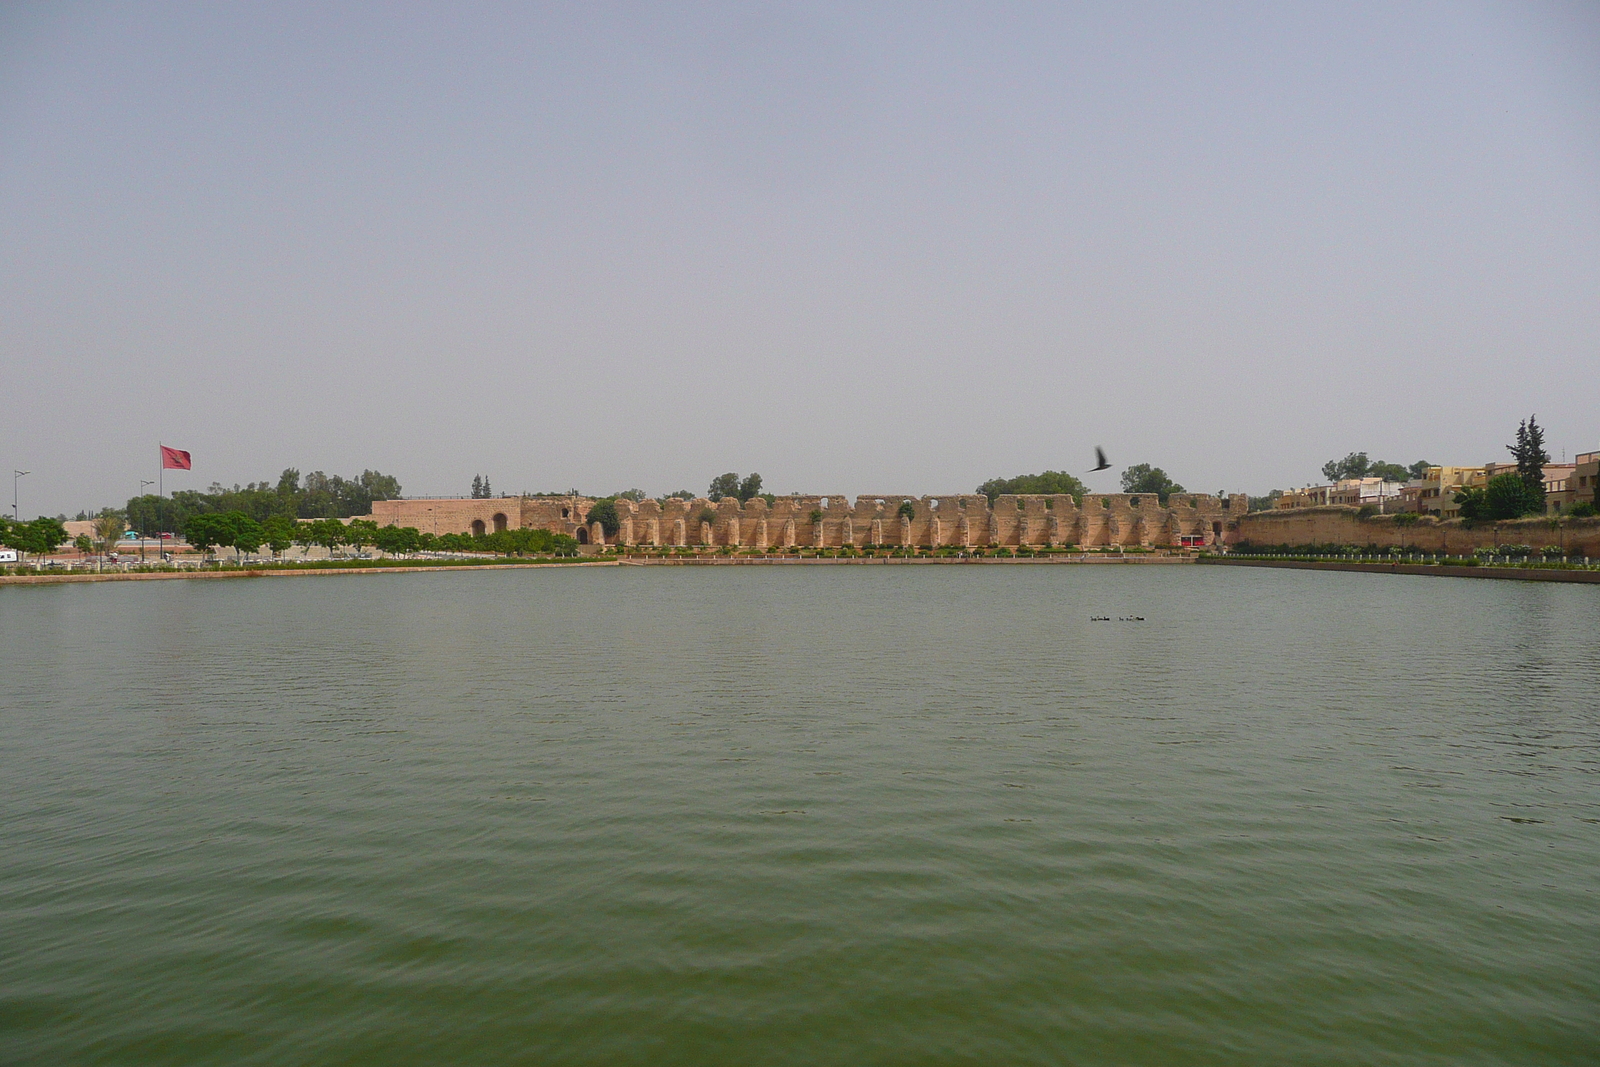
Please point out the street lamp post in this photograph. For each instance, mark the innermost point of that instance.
(143, 485)
(15, 475)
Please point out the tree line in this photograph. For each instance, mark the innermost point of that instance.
(316, 496)
(243, 534)
(36, 537)
(1141, 478)
(1357, 465)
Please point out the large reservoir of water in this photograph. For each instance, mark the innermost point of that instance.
(801, 815)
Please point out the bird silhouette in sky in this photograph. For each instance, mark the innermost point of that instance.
(1101, 463)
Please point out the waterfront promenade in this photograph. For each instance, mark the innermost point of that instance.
(1434, 570)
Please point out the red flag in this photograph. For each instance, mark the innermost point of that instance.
(174, 459)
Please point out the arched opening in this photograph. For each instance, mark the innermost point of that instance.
(477, 527)
(583, 536)
(566, 513)
(499, 524)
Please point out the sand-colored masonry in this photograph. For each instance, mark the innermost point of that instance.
(831, 521)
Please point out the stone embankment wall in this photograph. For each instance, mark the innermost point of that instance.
(833, 521)
(1340, 525)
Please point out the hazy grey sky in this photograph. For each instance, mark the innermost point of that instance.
(859, 248)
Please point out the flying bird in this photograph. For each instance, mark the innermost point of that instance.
(1101, 463)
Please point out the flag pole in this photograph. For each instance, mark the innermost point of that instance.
(161, 502)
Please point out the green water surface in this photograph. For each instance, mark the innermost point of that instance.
(908, 815)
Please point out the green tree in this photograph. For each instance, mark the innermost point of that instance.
(248, 534)
(329, 533)
(1471, 504)
(749, 487)
(108, 529)
(1389, 472)
(1508, 496)
(1265, 503)
(207, 531)
(1047, 483)
(477, 487)
(635, 495)
(45, 535)
(376, 486)
(144, 514)
(358, 533)
(604, 512)
(1419, 469)
(397, 540)
(1143, 478)
(1355, 465)
(305, 534)
(906, 510)
(278, 532)
(521, 542)
(38, 537)
(1531, 457)
(84, 544)
(723, 485)
(681, 494)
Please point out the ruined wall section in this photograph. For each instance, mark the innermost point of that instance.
(457, 516)
(1338, 524)
(833, 520)
(962, 520)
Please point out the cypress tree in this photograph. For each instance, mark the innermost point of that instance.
(1531, 458)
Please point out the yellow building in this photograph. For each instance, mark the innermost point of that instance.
(1437, 490)
(1312, 496)
(1585, 480)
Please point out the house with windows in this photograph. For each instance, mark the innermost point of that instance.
(1585, 481)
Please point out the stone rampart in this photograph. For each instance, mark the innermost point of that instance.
(1340, 525)
(833, 520)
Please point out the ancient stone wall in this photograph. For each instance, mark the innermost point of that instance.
(833, 520)
(1339, 525)
(451, 516)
